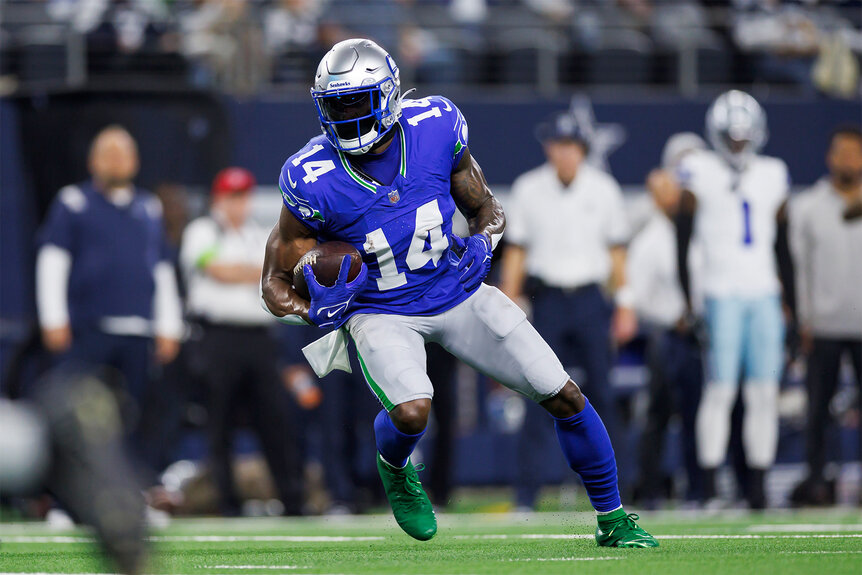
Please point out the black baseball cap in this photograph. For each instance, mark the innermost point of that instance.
(561, 126)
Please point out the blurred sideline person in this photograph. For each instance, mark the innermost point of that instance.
(826, 239)
(68, 439)
(343, 451)
(169, 404)
(342, 397)
(673, 352)
(441, 370)
(567, 233)
(736, 198)
(222, 256)
(104, 282)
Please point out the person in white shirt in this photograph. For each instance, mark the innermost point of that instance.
(567, 232)
(222, 257)
(826, 240)
(737, 197)
(673, 352)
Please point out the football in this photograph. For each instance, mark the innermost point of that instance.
(325, 260)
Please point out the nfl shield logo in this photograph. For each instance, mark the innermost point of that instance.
(394, 196)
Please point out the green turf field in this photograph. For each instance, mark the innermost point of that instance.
(823, 543)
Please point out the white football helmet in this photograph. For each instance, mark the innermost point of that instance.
(357, 91)
(736, 127)
(678, 146)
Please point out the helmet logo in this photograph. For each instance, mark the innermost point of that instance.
(341, 84)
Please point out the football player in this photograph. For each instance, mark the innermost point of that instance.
(737, 198)
(68, 439)
(386, 176)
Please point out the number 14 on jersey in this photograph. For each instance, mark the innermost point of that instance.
(428, 230)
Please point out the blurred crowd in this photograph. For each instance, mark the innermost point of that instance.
(245, 45)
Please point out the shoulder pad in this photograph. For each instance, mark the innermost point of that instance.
(297, 196)
(429, 106)
(451, 125)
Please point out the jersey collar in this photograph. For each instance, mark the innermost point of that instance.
(368, 182)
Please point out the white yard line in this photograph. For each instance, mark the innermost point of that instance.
(586, 536)
(347, 539)
(199, 539)
(821, 552)
(195, 525)
(262, 538)
(811, 536)
(804, 527)
(526, 559)
(286, 567)
(44, 539)
(45, 573)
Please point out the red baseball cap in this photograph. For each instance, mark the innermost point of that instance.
(233, 181)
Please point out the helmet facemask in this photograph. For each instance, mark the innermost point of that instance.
(354, 119)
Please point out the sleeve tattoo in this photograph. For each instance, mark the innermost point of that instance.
(474, 199)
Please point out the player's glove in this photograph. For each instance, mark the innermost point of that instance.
(328, 304)
(475, 261)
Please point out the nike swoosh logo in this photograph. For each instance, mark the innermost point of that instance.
(292, 183)
(335, 310)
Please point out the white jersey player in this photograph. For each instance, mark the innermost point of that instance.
(736, 197)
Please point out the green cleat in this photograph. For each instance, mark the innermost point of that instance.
(619, 529)
(410, 504)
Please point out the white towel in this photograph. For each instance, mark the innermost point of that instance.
(328, 353)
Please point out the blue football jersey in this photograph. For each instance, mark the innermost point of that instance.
(402, 230)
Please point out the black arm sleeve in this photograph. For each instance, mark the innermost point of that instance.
(684, 222)
(785, 262)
